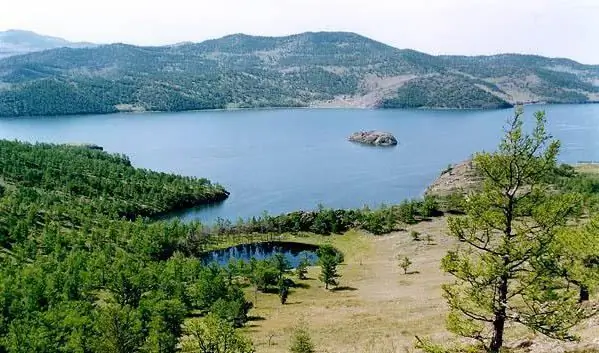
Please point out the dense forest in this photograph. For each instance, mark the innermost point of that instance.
(76, 275)
(117, 188)
(308, 69)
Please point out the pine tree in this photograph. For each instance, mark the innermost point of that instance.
(281, 264)
(302, 267)
(328, 259)
(508, 267)
(119, 329)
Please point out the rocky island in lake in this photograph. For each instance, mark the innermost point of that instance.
(375, 138)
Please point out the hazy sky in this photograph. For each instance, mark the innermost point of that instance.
(565, 28)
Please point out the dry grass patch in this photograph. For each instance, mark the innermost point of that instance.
(376, 308)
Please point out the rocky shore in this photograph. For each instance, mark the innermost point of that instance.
(460, 177)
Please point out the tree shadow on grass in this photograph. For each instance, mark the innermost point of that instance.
(344, 289)
(252, 328)
(302, 285)
(256, 318)
(269, 290)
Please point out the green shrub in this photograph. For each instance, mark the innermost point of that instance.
(301, 342)
(429, 207)
(264, 274)
(234, 311)
(404, 263)
(406, 212)
(454, 202)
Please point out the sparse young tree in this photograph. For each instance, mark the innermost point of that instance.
(281, 264)
(429, 207)
(263, 274)
(302, 267)
(454, 202)
(404, 263)
(328, 259)
(301, 342)
(505, 266)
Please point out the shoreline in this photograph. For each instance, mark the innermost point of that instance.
(321, 106)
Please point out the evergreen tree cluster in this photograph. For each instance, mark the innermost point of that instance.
(76, 275)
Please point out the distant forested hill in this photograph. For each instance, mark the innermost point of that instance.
(309, 69)
(16, 42)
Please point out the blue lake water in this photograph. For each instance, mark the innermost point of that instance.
(282, 160)
(293, 253)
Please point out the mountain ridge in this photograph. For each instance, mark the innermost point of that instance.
(17, 42)
(311, 69)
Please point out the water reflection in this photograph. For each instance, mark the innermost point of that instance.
(292, 251)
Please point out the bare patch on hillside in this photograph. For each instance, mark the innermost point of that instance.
(518, 89)
(337, 70)
(566, 69)
(593, 96)
(290, 69)
(129, 108)
(374, 89)
(504, 96)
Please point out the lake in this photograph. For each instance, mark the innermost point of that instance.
(293, 253)
(280, 160)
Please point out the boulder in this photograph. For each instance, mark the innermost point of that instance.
(376, 138)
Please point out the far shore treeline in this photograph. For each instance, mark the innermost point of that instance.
(322, 69)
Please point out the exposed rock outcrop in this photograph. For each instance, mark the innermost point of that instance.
(375, 138)
(459, 177)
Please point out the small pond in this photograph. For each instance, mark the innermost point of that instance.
(263, 250)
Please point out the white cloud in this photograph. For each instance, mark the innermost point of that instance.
(567, 28)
